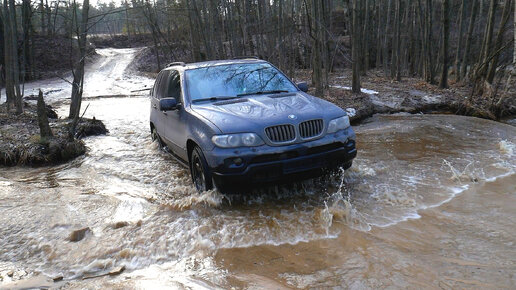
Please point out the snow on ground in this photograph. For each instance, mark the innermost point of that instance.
(366, 91)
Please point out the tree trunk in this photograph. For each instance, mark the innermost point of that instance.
(317, 77)
(27, 73)
(194, 42)
(280, 33)
(355, 47)
(214, 12)
(44, 127)
(379, 34)
(462, 20)
(469, 39)
(481, 69)
(429, 66)
(498, 42)
(9, 86)
(365, 38)
(42, 11)
(445, 19)
(127, 23)
(11, 57)
(386, 38)
(78, 78)
(396, 51)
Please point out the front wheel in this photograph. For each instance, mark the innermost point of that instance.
(155, 137)
(201, 174)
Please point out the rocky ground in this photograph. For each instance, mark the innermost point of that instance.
(22, 145)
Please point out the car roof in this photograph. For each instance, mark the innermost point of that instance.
(186, 66)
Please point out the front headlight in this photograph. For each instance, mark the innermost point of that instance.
(338, 124)
(237, 140)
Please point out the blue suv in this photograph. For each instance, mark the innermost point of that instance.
(240, 123)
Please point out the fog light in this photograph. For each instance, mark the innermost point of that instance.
(238, 161)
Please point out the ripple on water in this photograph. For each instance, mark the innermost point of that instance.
(400, 170)
(394, 176)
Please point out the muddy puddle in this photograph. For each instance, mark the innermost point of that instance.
(429, 202)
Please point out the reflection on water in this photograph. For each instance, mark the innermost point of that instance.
(406, 164)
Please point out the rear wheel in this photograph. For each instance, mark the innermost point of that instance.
(201, 174)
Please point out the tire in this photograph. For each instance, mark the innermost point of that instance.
(348, 165)
(199, 170)
(155, 137)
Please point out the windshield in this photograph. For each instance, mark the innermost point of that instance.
(232, 80)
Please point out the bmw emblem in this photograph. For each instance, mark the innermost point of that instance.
(292, 117)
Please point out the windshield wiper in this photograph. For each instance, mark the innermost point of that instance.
(220, 98)
(263, 93)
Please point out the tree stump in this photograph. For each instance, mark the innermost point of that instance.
(44, 128)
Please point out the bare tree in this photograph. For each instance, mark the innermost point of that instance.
(396, 51)
(445, 19)
(493, 63)
(428, 63)
(81, 29)
(469, 38)
(481, 68)
(355, 50)
(12, 71)
(462, 21)
(317, 67)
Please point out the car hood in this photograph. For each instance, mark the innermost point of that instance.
(254, 113)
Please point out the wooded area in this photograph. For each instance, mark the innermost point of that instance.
(441, 41)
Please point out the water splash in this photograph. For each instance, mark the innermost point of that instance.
(507, 147)
(210, 198)
(468, 174)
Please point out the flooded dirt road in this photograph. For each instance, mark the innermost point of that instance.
(430, 202)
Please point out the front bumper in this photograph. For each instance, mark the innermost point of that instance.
(269, 164)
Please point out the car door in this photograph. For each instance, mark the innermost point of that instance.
(176, 119)
(157, 116)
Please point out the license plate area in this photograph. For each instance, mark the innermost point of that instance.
(302, 165)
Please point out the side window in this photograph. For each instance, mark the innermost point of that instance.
(160, 90)
(174, 87)
(154, 92)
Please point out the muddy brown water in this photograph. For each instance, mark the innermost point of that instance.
(430, 202)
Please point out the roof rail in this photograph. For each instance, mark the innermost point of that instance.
(246, 57)
(176, 63)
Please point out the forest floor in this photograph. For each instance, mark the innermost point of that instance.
(22, 145)
(55, 56)
(413, 95)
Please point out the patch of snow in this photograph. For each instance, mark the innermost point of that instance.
(365, 91)
(351, 112)
(433, 99)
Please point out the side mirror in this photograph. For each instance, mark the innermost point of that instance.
(168, 104)
(303, 87)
